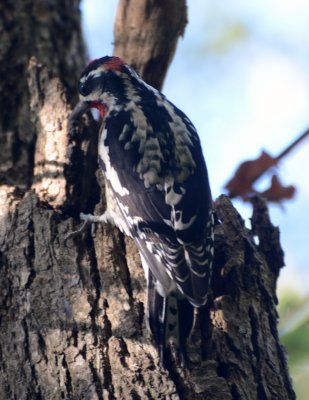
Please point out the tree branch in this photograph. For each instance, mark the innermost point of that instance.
(146, 33)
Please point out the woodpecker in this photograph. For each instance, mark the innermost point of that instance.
(157, 192)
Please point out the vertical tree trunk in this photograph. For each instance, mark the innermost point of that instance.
(51, 32)
(146, 34)
(72, 314)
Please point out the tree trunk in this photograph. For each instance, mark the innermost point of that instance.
(72, 313)
(51, 32)
(146, 34)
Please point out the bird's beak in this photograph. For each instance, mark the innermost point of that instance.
(80, 109)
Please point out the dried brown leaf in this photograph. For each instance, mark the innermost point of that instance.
(277, 192)
(247, 173)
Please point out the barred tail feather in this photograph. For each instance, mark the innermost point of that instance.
(170, 319)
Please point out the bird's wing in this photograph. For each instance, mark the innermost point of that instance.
(170, 220)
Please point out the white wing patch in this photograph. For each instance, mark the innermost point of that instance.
(139, 122)
(171, 197)
(110, 173)
(149, 166)
(176, 221)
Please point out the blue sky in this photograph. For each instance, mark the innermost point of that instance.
(244, 73)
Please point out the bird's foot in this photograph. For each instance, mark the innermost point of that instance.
(88, 219)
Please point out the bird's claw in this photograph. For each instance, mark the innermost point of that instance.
(78, 231)
(87, 219)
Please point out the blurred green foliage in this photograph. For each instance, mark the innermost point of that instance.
(223, 39)
(294, 335)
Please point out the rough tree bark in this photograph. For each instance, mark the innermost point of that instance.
(146, 34)
(50, 31)
(72, 316)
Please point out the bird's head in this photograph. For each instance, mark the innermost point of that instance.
(103, 83)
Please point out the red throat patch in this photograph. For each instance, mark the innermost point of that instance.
(99, 106)
(115, 63)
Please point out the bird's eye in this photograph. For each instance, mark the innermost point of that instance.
(83, 88)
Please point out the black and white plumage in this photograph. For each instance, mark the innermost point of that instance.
(157, 192)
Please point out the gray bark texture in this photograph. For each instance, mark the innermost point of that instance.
(72, 320)
(50, 31)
